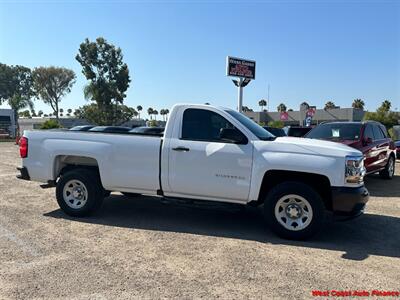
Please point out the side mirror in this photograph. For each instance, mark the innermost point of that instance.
(232, 135)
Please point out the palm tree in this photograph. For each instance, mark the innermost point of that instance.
(69, 111)
(358, 104)
(150, 112)
(386, 105)
(329, 105)
(61, 112)
(17, 103)
(166, 113)
(305, 104)
(262, 103)
(139, 109)
(40, 113)
(281, 107)
(162, 113)
(155, 113)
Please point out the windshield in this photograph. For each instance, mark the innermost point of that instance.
(336, 131)
(256, 129)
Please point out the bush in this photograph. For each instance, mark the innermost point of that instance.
(153, 123)
(50, 124)
(276, 124)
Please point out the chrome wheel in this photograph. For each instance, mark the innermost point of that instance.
(75, 194)
(293, 212)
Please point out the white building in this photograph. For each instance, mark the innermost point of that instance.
(8, 122)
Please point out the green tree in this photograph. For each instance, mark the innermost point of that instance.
(50, 124)
(51, 84)
(77, 113)
(329, 105)
(246, 109)
(61, 112)
(16, 88)
(40, 113)
(305, 104)
(108, 76)
(139, 109)
(93, 114)
(358, 104)
(281, 107)
(276, 124)
(384, 115)
(262, 103)
(26, 114)
(150, 112)
(385, 106)
(155, 113)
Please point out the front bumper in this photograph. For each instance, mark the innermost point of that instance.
(349, 201)
(24, 174)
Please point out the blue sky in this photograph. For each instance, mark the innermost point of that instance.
(311, 51)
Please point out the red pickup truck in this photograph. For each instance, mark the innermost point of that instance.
(370, 137)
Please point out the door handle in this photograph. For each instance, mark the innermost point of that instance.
(183, 149)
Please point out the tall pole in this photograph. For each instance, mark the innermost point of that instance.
(240, 95)
(268, 98)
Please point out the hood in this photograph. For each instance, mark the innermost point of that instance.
(307, 146)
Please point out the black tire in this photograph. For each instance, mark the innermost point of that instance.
(130, 195)
(94, 192)
(388, 172)
(315, 219)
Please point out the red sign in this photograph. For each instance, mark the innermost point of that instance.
(311, 112)
(284, 116)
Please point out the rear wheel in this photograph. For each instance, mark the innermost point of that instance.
(79, 192)
(388, 171)
(294, 210)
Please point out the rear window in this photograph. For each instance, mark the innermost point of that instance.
(336, 131)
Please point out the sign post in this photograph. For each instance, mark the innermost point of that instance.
(245, 70)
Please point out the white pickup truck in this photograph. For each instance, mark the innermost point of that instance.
(206, 153)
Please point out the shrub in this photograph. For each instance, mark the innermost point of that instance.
(50, 124)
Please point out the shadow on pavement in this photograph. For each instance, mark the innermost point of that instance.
(380, 187)
(368, 235)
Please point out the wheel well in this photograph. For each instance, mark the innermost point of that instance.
(66, 163)
(320, 183)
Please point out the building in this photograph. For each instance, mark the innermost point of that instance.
(7, 122)
(298, 117)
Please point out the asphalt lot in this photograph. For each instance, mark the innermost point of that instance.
(145, 248)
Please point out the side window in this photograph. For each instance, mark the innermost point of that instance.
(368, 132)
(378, 133)
(385, 133)
(203, 125)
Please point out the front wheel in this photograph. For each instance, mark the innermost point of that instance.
(79, 192)
(294, 210)
(388, 171)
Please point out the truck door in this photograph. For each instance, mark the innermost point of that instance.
(202, 164)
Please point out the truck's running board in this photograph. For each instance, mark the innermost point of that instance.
(49, 184)
(202, 203)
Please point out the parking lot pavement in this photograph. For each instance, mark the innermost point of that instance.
(147, 248)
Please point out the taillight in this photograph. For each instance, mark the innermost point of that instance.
(23, 147)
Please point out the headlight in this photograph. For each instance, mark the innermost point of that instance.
(354, 170)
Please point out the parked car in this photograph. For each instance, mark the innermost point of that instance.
(148, 130)
(110, 129)
(82, 128)
(278, 132)
(206, 153)
(370, 137)
(296, 131)
(397, 144)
